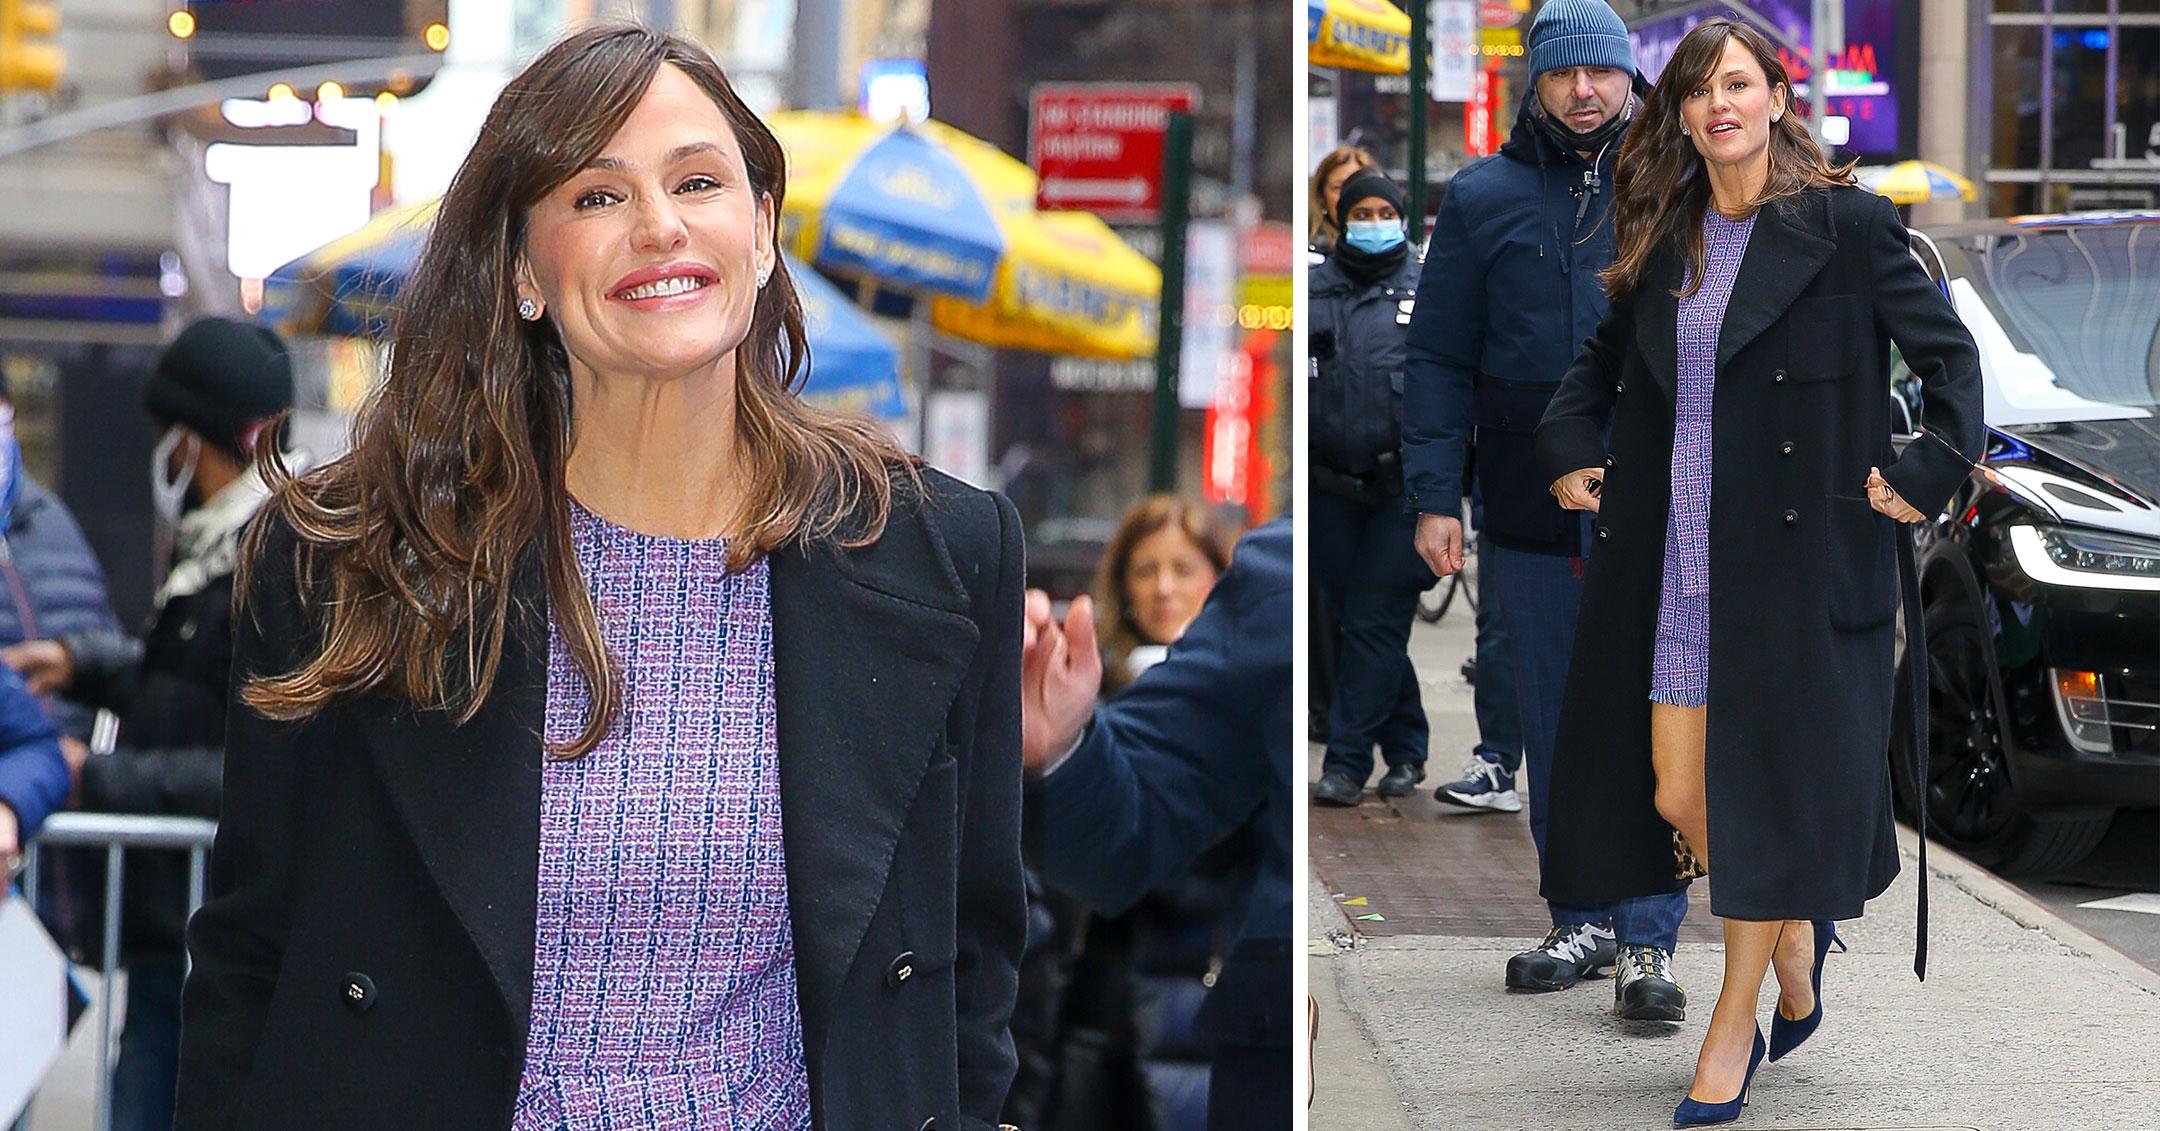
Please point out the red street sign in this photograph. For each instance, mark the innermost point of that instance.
(1498, 14)
(1478, 139)
(1098, 147)
(1268, 249)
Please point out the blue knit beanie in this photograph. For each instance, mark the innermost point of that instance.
(1579, 33)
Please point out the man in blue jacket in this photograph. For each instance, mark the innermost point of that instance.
(1131, 792)
(1509, 291)
(53, 583)
(34, 779)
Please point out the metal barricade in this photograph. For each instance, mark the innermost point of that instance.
(115, 834)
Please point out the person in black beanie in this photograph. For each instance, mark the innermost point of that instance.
(216, 395)
(1362, 554)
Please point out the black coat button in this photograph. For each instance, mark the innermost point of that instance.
(1791, 517)
(1608, 461)
(1785, 449)
(1619, 387)
(1603, 534)
(901, 970)
(929, 1124)
(359, 992)
(1778, 376)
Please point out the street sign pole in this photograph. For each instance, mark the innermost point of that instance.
(1169, 337)
(1420, 85)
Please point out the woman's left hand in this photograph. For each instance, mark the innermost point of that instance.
(1882, 497)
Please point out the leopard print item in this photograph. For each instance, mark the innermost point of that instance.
(1685, 864)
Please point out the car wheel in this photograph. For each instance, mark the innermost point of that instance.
(1971, 801)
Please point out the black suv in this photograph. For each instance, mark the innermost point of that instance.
(2041, 581)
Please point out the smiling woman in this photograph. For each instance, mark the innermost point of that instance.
(619, 734)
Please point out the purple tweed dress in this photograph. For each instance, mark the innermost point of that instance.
(1680, 672)
(663, 961)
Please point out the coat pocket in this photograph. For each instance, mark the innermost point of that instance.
(1856, 564)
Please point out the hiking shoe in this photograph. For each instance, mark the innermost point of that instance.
(1335, 788)
(1484, 785)
(1646, 990)
(1569, 954)
(1399, 781)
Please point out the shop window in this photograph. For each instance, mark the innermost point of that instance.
(2016, 113)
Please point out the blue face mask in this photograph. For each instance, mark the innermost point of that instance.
(1374, 237)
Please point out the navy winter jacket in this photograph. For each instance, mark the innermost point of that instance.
(1508, 295)
(1356, 330)
(33, 776)
(60, 579)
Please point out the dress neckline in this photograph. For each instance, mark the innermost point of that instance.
(585, 520)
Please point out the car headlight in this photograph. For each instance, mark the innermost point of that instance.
(2086, 559)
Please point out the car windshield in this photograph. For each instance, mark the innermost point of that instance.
(2067, 318)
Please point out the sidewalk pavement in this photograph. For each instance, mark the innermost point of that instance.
(2025, 1021)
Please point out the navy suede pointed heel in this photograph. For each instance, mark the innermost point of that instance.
(1695, 1113)
(1785, 1035)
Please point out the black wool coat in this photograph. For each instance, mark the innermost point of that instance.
(365, 957)
(1803, 573)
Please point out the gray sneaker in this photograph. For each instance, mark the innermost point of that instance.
(1646, 990)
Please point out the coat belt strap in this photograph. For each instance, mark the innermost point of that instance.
(1916, 676)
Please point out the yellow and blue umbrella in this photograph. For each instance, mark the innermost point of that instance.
(346, 287)
(910, 206)
(1358, 35)
(1068, 285)
(1057, 282)
(1916, 182)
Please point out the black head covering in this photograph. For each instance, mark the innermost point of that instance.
(220, 377)
(1366, 184)
(1364, 267)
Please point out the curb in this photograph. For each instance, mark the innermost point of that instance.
(1999, 895)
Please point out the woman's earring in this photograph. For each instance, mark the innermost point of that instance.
(1683, 131)
(528, 309)
(763, 274)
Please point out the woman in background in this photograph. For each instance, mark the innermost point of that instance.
(1155, 574)
(1336, 169)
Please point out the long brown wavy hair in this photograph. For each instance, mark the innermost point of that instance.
(409, 544)
(1156, 512)
(1320, 218)
(1660, 184)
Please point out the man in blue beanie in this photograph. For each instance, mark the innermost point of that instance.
(1509, 290)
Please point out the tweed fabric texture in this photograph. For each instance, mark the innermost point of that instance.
(664, 991)
(1680, 672)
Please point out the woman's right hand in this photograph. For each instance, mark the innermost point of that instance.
(1578, 490)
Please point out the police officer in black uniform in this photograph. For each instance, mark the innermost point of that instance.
(1364, 560)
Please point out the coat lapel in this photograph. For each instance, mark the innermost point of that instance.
(1657, 322)
(470, 799)
(1785, 252)
(869, 650)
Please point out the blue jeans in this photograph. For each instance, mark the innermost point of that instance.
(1499, 717)
(1365, 562)
(1538, 599)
